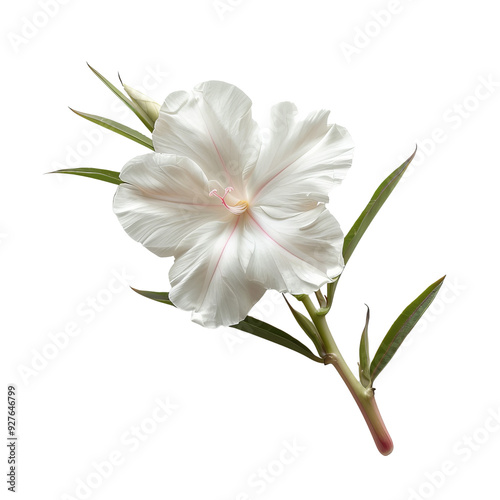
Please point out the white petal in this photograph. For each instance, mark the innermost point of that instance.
(165, 198)
(296, 254)
(299, 164)
(208, 278)
(213, 126)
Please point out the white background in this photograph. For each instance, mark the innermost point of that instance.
(418, 75)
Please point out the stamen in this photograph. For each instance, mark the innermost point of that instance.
(237, 209)
(221, 198)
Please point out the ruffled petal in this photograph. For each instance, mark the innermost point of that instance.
(208, 278)
(296, 254)
(301, 161)
(163, 199)
(213, 126)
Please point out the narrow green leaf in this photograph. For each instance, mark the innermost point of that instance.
(308, 326)
(137, 111)
(402, 327)
(269, 332)
(158, 296)
(94, 173)
(127, 132)
(375, 204)
(252, 326)
(364, 354)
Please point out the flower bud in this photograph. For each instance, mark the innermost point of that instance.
(146, 104)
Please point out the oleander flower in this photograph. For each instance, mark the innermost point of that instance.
(239, 214)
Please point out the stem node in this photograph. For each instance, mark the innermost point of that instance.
(330, 358)
(363, 396)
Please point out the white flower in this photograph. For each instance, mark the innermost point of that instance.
(239, 216)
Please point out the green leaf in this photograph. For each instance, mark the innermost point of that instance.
(94, 173)
(127, 132)
(137, 111)
(402, 327)
(308, 326)
(375, 204)
(269, 332)
(251, 325)
(364, 355)
(158, 296)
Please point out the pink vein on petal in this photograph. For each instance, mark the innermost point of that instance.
(314, 146)
(215, 146)
(273, 177)
(220, 157)
(188, 204)
(223, 250)
(192, 204)
(272, 239)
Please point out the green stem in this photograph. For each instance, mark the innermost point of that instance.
(364, 397)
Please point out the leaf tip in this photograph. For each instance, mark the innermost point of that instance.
(406, 164)
(439, 282)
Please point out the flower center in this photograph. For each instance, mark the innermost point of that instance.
(235, 206)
